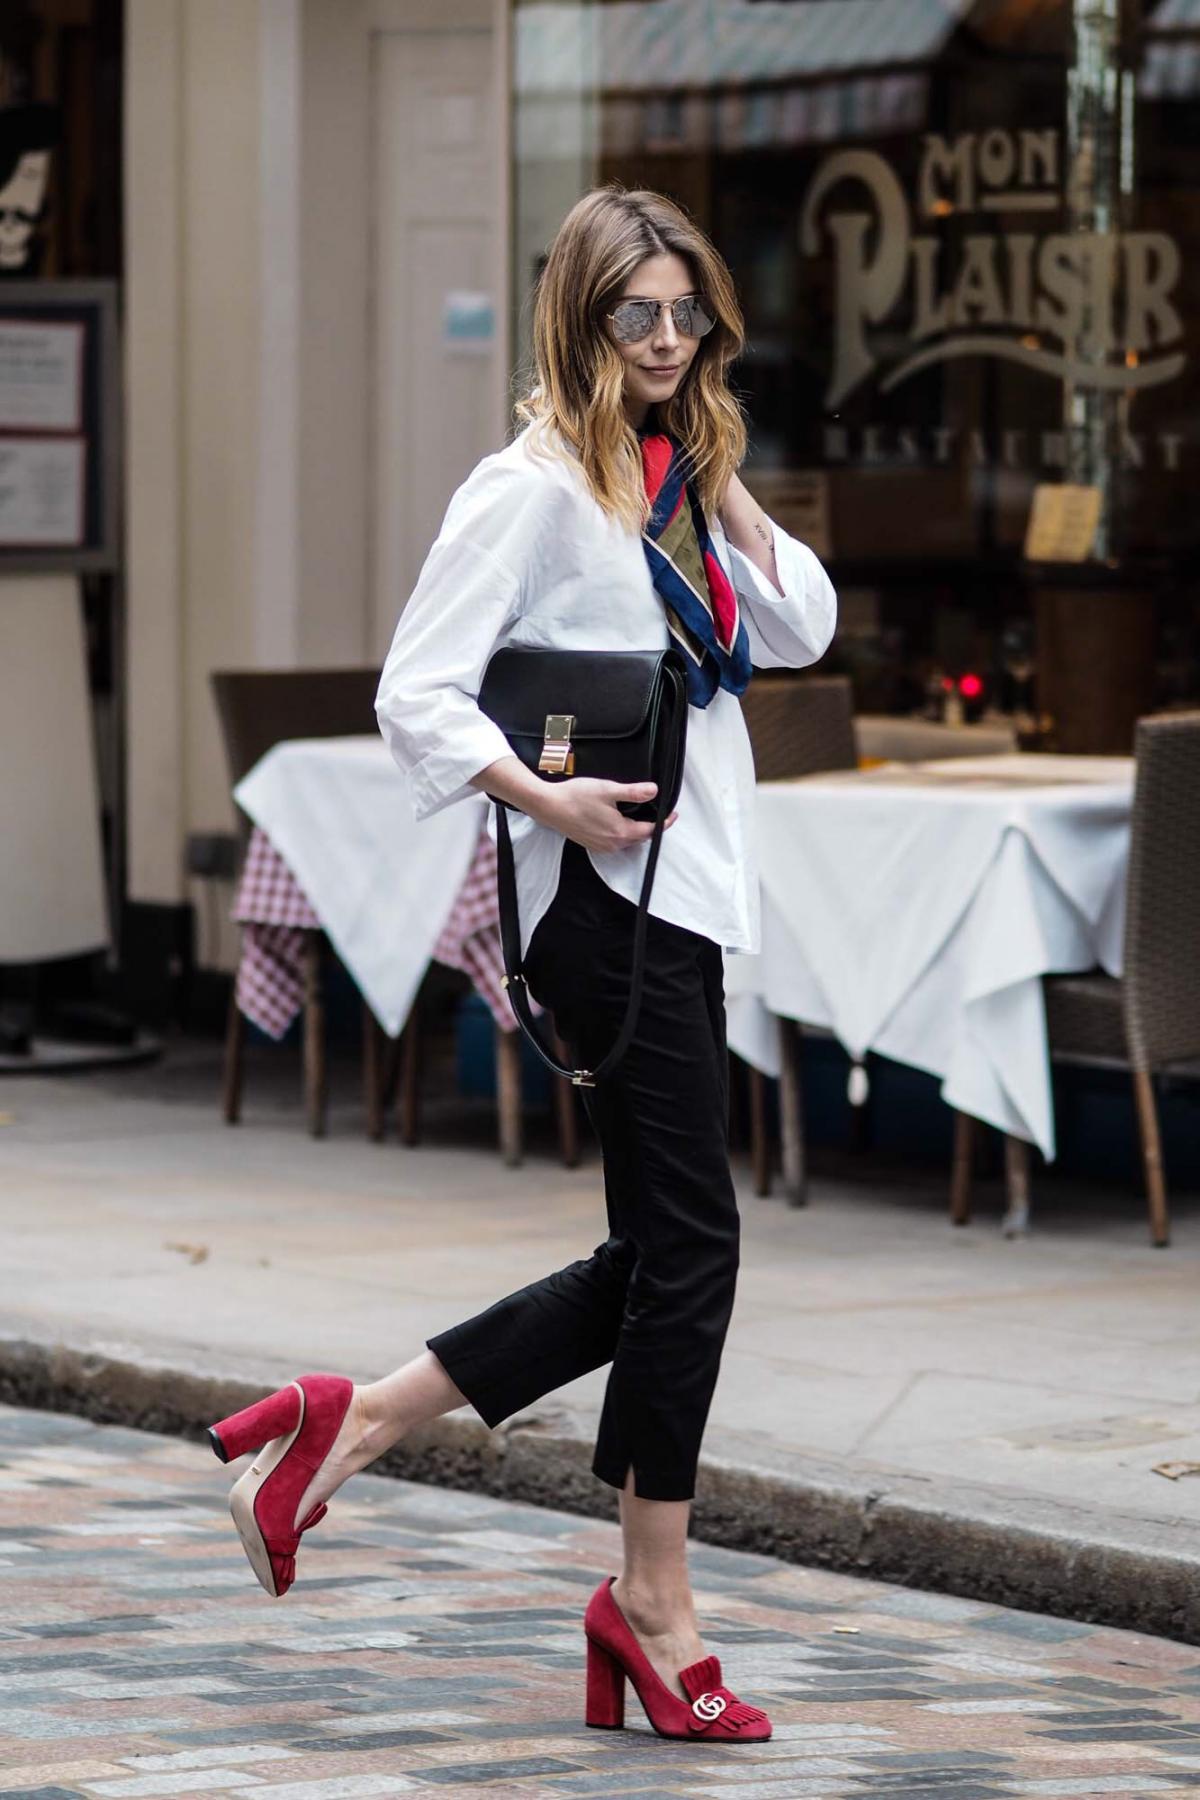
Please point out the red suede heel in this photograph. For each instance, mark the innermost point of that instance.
(306, 1418)
(605, 1689)
(710, 1712)
(243, 1431)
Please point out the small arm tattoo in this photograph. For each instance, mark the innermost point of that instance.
(763, 534)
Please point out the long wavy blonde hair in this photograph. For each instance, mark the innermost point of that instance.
(578, 375)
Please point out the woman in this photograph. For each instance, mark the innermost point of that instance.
(582, 533)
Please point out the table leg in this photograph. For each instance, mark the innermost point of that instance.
(235, 1037)
(960, 1175)
(760, 1147)
(408, 1109)
(1016, 1183)
(314, 1036)
(1156, 1187)
(791, 1113)
(735, 1110)
(372, 1073)
(508, 1094)
(564, 1109)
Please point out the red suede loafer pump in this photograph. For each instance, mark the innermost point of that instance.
(710, 1711)
(293, 1430)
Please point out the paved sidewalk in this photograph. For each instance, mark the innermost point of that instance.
(433, 1642)
(873, 1346)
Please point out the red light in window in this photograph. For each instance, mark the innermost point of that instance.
(948, 683)
(970, 687)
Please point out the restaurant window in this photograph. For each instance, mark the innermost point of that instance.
(961, 231)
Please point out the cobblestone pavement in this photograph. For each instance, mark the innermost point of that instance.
(433, 1642)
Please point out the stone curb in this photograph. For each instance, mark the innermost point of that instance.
(1009, 1549)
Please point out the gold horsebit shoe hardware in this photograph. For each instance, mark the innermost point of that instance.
(557, 756)
(708, 1706)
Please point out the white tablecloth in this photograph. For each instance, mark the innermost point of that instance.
(337, 811)
(913, 909)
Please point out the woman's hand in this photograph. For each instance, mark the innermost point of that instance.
(582, 807)
(585, 809)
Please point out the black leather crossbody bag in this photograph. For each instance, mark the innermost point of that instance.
(620, 715)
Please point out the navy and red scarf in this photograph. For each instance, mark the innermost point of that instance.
(701, 606)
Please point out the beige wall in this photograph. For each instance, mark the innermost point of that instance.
(332, 472)
(154, 733)
(220, 215)
(192, 293)
(246, 291)
(248, 374)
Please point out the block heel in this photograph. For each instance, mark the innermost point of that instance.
(256, 1425)
(605, 1689)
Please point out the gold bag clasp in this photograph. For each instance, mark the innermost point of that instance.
(557, 756)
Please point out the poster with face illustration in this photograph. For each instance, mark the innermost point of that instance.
(28, 134)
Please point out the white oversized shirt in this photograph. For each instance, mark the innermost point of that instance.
(526, 555)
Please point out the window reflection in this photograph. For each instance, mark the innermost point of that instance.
(962, 235)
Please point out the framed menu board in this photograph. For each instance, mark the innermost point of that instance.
(59, 456)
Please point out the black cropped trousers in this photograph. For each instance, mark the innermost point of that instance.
(655, 1297)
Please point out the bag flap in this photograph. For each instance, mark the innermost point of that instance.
(608, 691)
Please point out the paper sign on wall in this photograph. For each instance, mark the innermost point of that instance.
(41, 492)
(41, 375)
(1062, 522)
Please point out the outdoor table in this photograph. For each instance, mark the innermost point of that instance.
(336, 846)
(913, 909)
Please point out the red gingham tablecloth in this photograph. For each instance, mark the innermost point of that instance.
(275, 914)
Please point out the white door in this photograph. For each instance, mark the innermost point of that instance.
(437, 249)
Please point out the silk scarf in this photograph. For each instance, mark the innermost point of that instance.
(702, 610)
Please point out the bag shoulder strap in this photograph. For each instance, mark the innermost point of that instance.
(510, 939)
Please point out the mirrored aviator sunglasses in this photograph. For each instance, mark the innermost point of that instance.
(633, 320)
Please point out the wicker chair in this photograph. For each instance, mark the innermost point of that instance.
(1149, 1020)
(798, 725)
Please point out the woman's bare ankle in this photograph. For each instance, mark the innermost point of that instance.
(663, 1620)
(375, 1431)
(412, 1395)
(656, 1610)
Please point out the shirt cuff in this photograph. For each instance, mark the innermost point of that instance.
(747, 573)
(794, 628)
(444, 776)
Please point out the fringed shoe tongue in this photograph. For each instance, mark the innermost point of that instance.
(701, 1677)
(714, 1708)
